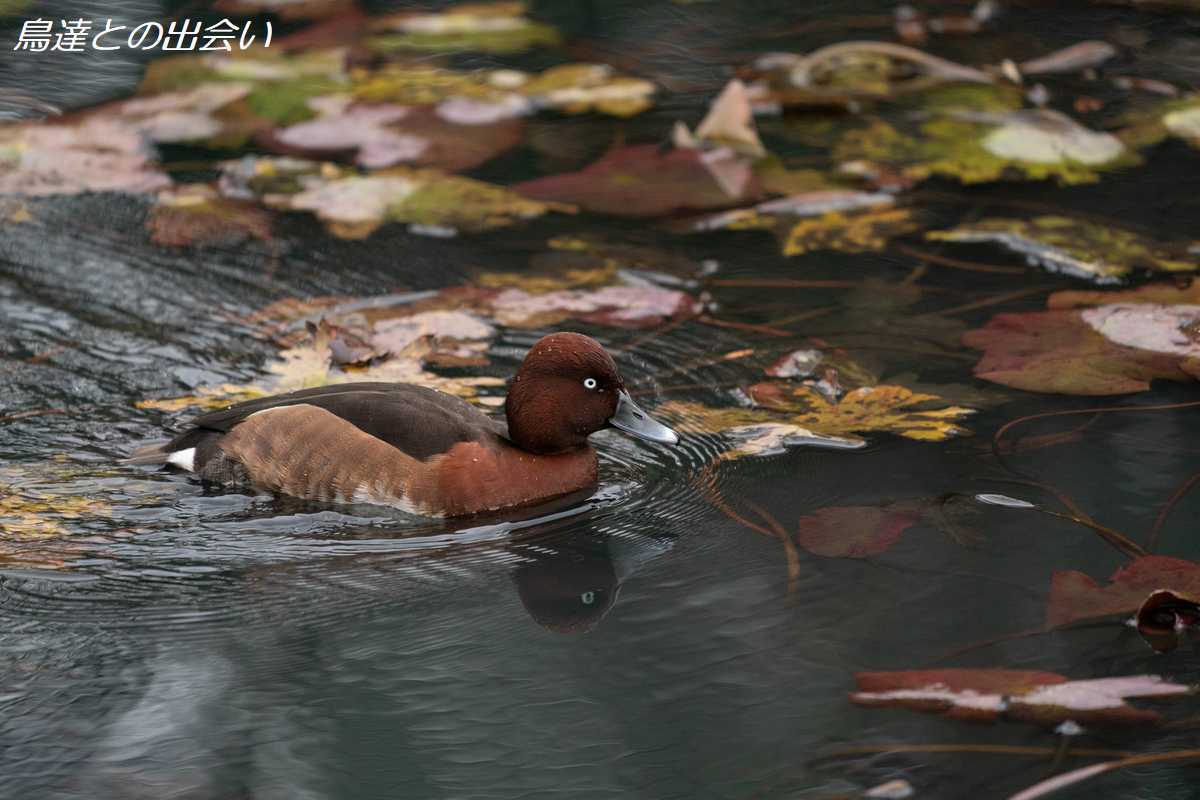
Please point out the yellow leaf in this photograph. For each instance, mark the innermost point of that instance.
(848, 233)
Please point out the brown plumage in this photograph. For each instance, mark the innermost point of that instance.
(418, 449)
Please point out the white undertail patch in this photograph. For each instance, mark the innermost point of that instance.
(184, 459)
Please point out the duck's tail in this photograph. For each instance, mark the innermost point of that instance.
(154, 453)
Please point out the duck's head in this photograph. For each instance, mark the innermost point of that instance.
(568, 388)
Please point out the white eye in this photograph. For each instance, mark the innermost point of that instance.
(588, 597)
(589, 383)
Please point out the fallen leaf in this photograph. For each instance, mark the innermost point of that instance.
(857, 531)
(976, 147)
(1100, 253)
(492, 95)
(1065, 352)
(802, 415)
(729, 122)
(1042, 698)
(856, 233)
(1161, 293)
(1077, 57)
(482, 27)
(97, 154)
(194, 214)
(643, 181)
(1075, 597)
(353, 206)
(383, 135)
(620, 306)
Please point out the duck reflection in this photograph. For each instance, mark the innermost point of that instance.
(567, 586)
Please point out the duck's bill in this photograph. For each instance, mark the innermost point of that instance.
(632, 420)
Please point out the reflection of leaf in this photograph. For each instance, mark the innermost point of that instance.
(1042, 698)
(642, 181)
(41, 509)
(875, 409)
(1087, 353)
(1075, 596)
(483, 27)
(98, 154)
(1074, 247)
(857, 531)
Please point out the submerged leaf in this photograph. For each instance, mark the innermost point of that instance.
(857, 531)
(857, 233)
(1042, 698)
(1070, 353)
(1075, 247)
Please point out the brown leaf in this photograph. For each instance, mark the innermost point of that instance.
(644, 181)
(1042, 698)
(857, 531)
(1075, 597)
(1067, 352)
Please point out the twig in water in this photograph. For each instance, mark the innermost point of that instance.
(957, 263)
(1051, 785)
(37, 412)
(746, 326)
(1168, 507)
(998, 749)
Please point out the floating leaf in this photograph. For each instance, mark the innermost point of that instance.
(280, 86)
(353, 206)
(482, 27)
(621, 306)
(1094, 352)
(386, 134)
(1075, 247)
(97, 154)
(857, 531)
(1042, 698)
(502, 93)
(186, 115)
(1075, 597)
(1162, 293)
(856, 233)
(194, 214)
(729, 123)
(803, 415)
(976, 147)
(644, 181)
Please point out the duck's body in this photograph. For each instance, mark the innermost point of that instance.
(418, 449)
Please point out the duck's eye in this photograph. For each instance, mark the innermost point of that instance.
(587, 598)
(589, 383)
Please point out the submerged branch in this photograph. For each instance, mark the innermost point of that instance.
(1051, 785)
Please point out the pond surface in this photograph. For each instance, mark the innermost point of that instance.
(676, 635)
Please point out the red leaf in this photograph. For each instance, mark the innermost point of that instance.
(1075, 596)
(641, 181)
(1056, 351)
(857, 531)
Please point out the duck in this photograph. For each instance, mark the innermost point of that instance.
(417, 449)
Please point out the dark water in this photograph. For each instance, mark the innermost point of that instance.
(637, 644)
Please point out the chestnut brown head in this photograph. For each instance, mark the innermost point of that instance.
(568, 388)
